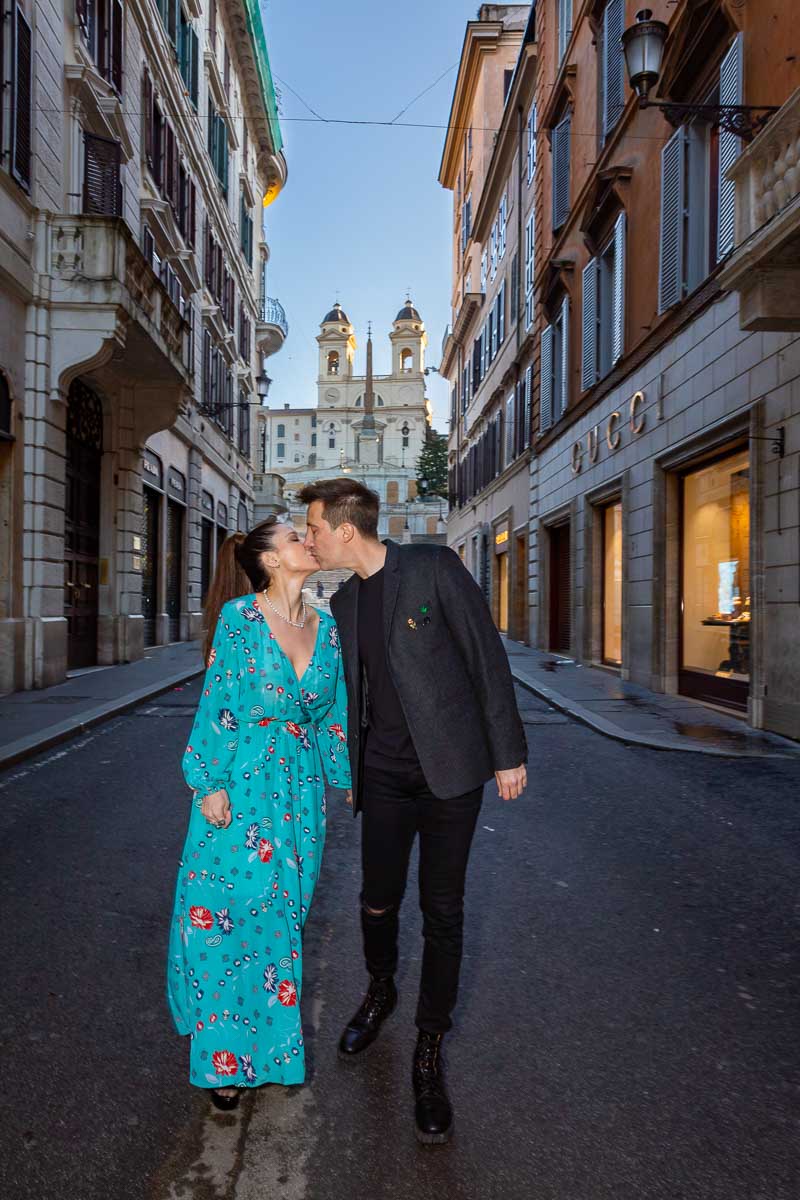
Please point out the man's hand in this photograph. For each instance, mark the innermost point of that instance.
(349, 797)
(216, 808)
(511, 784)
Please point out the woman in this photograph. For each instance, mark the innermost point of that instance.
(270, 728)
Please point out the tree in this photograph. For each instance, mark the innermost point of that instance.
(432, 466)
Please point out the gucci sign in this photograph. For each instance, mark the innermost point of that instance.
(613, 433)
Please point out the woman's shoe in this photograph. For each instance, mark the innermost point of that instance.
(224, 1103)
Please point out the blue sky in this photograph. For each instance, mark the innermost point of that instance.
(362, 215)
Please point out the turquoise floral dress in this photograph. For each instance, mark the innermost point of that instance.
(271, 741)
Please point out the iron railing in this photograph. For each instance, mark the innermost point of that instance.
(272, 313)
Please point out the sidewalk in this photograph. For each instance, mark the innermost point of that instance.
(633, 714)
(33, 721)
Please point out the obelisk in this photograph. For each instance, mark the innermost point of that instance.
(368, 437)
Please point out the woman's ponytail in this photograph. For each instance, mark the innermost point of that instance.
(239, 570)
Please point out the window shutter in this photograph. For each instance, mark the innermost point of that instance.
(546, 378)
(531, 160)
(561, 140)
(21, 102)
(673, 204)
(476, 364)
(117, 25)
(589, 325)
(527, 407)
(501, 314)
(564, 26)
(618, 291)
(147, 116)
(194, 53)
(102, 192)
(564, 354)
(731, 90)
(192, 213)
(613, 64)
(514, 310)
(509, 429)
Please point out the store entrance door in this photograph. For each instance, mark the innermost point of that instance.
(560, 590)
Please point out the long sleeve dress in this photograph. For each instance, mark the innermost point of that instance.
(235, 952)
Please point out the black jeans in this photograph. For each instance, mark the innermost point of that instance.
(397, 806)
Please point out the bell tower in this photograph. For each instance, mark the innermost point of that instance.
(409, 339)
(337, 348)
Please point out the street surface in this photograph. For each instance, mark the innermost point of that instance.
(628, 1025)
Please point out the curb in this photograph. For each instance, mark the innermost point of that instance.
(586, 717)
(26, 747)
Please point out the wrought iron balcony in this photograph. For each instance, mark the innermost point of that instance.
(272, 328)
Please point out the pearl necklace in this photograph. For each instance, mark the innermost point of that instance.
(295, 624)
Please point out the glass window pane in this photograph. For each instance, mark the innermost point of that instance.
(716, 570)
(612, 584)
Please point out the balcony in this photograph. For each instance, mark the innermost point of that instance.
(764, 268)
(111, 315)
(272, 328)
(269, 499)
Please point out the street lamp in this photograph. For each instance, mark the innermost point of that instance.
(643, 47)
(263, 382)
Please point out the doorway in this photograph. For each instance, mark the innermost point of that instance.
(560, 590)
(151, 523)
(612, 584)
(174, 568)
(82, 523)
(520, 621)
(502, 591)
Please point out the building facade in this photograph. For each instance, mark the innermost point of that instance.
(489, 164)
(370, 426)
(666, 414)
(141, 141)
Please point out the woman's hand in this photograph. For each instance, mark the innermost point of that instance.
(216, 808)
(349, 797)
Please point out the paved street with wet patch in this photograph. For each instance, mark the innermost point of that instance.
(627, 1028)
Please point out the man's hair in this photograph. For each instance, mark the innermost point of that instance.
(345, 500)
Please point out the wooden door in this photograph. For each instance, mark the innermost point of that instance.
(151, 521)
(82, 523)
(174, 568)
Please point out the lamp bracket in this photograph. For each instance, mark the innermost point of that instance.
(777, 440)
(744, 120)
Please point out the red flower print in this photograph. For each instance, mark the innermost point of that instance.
(200, 917)
(281, 691)
(193, 875)
(265, 721)
(200, 1025)
(287, 993)
(340, 733)
(188, 749)
(295, 954)
(212, 1018)
(293, 729)
(224, 1062)
(265, 850)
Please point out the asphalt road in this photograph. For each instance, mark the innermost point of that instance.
(628, 1025)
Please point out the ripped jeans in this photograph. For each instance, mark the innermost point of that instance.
(397, 806)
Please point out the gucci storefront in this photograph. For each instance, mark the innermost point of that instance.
(665, 532)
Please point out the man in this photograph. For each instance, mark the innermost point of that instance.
(431, 717)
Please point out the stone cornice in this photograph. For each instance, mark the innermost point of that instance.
(480, 37)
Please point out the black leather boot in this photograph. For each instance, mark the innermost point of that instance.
(433, 1112)
(365, 1025)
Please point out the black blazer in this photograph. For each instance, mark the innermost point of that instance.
(448, 665)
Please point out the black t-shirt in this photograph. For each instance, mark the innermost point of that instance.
(389, 743)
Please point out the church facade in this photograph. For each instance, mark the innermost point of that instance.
(371, 426)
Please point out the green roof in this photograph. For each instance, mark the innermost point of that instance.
(256, 29)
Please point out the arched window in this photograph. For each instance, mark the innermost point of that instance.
(406, 360)
(333, 362)
(380, 401)
(392, 492)
(5, 406)
(358, 401)
(405, 432)
(281, 431)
